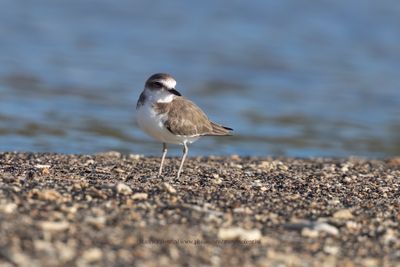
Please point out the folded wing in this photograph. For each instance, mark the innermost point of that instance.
(183, 117)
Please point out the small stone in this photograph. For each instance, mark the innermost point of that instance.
(139, 196)
(42, 245)
(98, 222)
(264, 165)
(169, 188)
(344, 214)
(327, 228)
(334, 201)
(89, 162)
(8, 208)
(282, 167)
(54, 226)
(135, 156)
(66, 252)
(45, 171)
(118, 170)
(313, 228)
(46, 195)
(351, 225)
(371, 262)
(123, 189)
(70, 209)
(42, 166)
(347, 180)
(263, 189)
(345, 168)
(390, 236)
(217, 181)
(333, 250)
(111, 154)
(92, 192)
(243, 210)
(235, 157)
(257, 183)
(384, 189)
(234, 165)
(311, 233)
(92, 255)
(239, 233)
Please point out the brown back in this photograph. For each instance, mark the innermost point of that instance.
(185, 118)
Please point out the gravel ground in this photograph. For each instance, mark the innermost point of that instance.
(111, 210)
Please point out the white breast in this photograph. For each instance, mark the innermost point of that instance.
(153, 124)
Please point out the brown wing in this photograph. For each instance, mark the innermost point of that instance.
(185, 118)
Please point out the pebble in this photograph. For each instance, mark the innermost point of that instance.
(54, 226)
(89, 162)
(119, 170)
(313, 229)
(344, 214)
(46, 194)
(169, 188)
(92, 255)
(234, 233)
(111, 154)
(235, 157)
(44, 169)
(98, 221)
(345, 168)
(42, 166)
(333, 250)
(263, 188)
(327, 228)
(351, 225)
(139, 196)
(347, 180)
(8, 207)
(123, 189)
(217, 181)
(391, 236)
(311, 233)
(265, 165)
(135, 156)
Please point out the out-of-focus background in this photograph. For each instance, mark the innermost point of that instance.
(296, 78)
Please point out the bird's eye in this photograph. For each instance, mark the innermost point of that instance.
(157, 84)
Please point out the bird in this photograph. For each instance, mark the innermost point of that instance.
(167, 116)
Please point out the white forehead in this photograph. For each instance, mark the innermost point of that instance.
(168, 82)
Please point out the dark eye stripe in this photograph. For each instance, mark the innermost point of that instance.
(158, 84)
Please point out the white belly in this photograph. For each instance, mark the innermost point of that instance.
(153, 125)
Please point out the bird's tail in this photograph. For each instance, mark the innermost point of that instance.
(220, 130)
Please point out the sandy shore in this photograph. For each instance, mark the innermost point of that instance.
(111, 210)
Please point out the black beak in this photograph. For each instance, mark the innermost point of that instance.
(173, 91)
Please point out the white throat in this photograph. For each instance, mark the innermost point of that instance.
(159, 96)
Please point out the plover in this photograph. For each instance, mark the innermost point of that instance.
(164, 114)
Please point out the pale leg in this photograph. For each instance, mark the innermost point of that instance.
(185, 152)
(162, 158)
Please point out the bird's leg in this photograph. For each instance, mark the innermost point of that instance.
(185, 152)
(162, 158)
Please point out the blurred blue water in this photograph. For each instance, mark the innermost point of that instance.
(298, 78)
